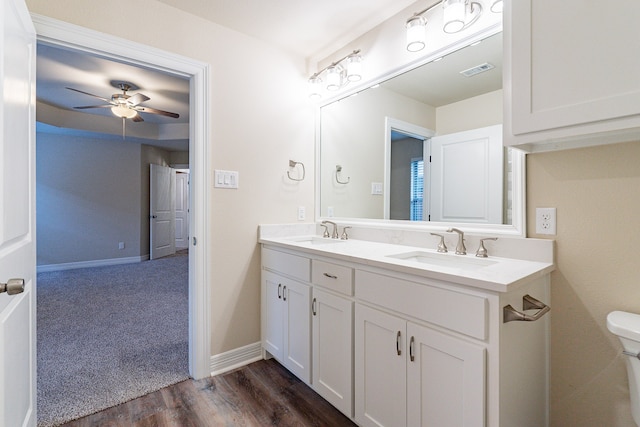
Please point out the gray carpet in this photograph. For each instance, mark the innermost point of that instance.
(109, 334)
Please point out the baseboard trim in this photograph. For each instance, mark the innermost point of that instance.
(94, 263)
(236, 358)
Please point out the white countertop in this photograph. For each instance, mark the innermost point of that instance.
(499, 274)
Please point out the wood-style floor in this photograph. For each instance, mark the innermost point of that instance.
(260, 394)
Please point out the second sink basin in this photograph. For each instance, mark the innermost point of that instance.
(466, 262)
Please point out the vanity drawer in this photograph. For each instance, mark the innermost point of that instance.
(332, 276)
(450, 309)
(291, 265)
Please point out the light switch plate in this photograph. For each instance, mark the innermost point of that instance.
(225, 179)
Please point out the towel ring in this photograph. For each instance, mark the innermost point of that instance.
(293, 164)
(338, 170)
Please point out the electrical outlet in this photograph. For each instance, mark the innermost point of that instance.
(301, 213)
(546, 221)
(120, 245)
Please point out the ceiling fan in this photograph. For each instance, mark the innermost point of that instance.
(123, 105)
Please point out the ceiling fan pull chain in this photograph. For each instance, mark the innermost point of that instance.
(123, 124)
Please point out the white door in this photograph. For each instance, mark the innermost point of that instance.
(466, 176)
(17, 216)
(297, 329)
(162, 211)
(445, 380)
(182, 210)
(380, 369)
(332, 346)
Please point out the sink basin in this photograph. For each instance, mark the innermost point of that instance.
(466, 262)
(315, 240)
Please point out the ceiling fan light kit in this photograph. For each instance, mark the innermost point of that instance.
(125, 106)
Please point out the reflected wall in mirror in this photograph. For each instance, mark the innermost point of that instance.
(382, 137)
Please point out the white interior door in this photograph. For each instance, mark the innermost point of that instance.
(466, 176)
(162, 211)
(17, 217)
(182, 210)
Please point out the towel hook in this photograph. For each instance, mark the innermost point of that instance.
(293, 164)
(338, 170)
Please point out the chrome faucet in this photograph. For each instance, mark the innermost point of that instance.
(460, 248)
(334, 233)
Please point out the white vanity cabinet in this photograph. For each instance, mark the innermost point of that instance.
(286, 314)
(571, 73)
(398, 347)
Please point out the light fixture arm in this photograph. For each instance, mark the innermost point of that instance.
(422, 12)
(333, 64)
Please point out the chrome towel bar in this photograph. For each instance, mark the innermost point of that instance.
(510, 314)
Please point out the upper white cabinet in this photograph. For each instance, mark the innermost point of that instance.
(572, 73)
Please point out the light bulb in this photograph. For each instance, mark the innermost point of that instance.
(354, 67)
(334, 77)
(454, 15)
(416, 35)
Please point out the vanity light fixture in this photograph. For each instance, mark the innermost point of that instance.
(457, 16)
(337, 74)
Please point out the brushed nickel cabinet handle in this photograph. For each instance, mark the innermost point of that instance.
(279, 288)
(330, 276)
(284, 292)
(412, 342)
(313, 307)
(398, 344)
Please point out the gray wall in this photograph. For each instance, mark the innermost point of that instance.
(90, 195)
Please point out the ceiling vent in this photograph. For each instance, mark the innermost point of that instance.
(477, 69)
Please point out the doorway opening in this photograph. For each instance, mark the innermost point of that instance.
(67, 36)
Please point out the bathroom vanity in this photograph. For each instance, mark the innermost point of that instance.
(396, 335)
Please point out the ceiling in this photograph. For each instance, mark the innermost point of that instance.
(308, 28)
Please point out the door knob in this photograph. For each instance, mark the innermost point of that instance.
(154, 216)
(12, 287)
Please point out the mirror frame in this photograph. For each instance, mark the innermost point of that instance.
(518, 214)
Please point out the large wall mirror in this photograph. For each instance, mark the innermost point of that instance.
(424, 148)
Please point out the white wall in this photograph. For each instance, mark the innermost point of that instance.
(260, 118)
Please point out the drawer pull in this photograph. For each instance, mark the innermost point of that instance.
(412, 342)
(279, 288)
(528, 303)
(313, 307)
(398, 344)
(330, 276)
(284, 293)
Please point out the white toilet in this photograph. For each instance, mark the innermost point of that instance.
(627, 327)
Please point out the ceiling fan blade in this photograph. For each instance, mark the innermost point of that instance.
(137, 99)
(90, 94)
(137, 118)
(154, 111)
(94, 106)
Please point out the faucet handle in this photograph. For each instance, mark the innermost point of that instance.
(482, 251)
(326, 231)
(441, 246)
(345, 236)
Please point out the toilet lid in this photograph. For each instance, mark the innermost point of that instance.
(624, 324)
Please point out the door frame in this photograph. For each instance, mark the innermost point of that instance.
(62, 34)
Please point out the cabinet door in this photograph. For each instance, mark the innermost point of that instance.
(445, 380)
(272, 314)
(332, 349)
(569, 84)
(297, 329)
(380, 364)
